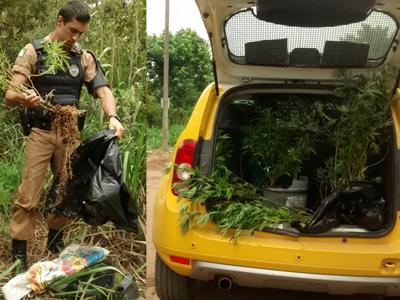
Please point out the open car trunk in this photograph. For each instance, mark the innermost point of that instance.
(321, 153)
(347, 205)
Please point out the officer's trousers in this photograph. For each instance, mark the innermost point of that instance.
(42, 148)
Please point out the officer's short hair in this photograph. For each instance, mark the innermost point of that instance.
(75, 9)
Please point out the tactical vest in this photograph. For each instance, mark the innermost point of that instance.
(64, 85)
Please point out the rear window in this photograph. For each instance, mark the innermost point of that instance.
(363, 44)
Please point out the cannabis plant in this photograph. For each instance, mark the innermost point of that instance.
(356, 129)
(56, 59)
(232, 204)
(237, 216)
(279, 139)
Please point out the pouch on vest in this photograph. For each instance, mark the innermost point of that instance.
(29, 119)
(25, 122)
(34, 117)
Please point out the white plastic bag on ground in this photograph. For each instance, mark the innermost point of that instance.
(70, 261)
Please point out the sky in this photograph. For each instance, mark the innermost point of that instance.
(182, 14)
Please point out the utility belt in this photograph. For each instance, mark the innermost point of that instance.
(40, 118)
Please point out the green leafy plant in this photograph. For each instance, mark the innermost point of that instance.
(252, 216)
(232, 200)
(56, 58)
(355, 125)
(83, 283)
(279, 138)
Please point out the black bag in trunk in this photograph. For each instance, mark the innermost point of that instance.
(358, 203)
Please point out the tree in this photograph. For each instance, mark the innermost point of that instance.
(24, 21)
(377, 37)
(190, 67)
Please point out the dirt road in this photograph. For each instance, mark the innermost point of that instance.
(155, 162)
(208, 290)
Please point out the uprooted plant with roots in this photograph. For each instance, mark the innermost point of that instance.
(64, 118)
(65, 123)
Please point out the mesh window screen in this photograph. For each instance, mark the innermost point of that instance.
(256, 42)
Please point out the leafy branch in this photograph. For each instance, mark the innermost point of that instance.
(356, 128)
(56, 59)
(253, 216)
(280, 139)
(235, 204)
(6, 77)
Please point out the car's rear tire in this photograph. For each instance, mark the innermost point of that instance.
(172, 286)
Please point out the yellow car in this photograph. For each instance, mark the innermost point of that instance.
(263, 51)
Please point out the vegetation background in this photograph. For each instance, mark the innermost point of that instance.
(190, 72)
(117, 35)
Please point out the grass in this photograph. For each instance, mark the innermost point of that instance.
(10, 173)
(90, 285)
(154, 136)
(127, 251)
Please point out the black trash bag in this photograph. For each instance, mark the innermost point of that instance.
(127, 289)
(359, 203)
(96, 192)
(364, 207)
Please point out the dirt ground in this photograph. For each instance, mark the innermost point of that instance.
(155, 162)
(208, 290)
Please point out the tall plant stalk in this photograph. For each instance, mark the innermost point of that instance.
(357, 131)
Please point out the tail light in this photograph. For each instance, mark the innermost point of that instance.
(183, 160)
(180, 260)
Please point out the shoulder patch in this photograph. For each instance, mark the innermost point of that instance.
(22, 52)
(77, 48)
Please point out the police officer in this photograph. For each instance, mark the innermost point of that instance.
(43, 146)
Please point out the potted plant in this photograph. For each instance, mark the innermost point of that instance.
(278, 140)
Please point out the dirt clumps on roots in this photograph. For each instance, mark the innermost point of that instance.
(65, 124)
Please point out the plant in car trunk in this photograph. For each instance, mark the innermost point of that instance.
(357, 129)
(279, 138)
(254, 216)
(233, 204)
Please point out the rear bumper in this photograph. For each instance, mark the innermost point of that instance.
(332, 284)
